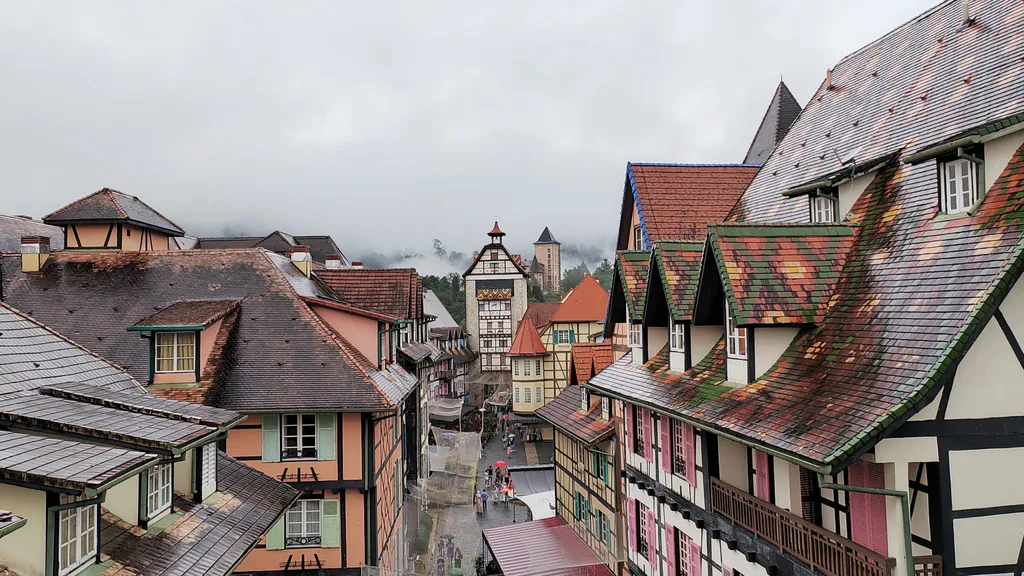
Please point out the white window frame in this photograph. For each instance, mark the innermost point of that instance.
(301, 440)
(638, 425)
(539, 370)
(177, 359)
(606, 408)
(515, 367)
(737, 337)
(584, 400)
(823, 210)
(679, 448)
(208, 462)
(77, 536)
(538, 396)
(641, 525)
(306, 536)
(677, 337)
(635, 334)
(527, 394)
(955, 199)
(517, 396)
(638, 238)
(526, 368)
(159, 492)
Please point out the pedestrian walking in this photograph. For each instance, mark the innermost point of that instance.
(479, 504)
(450, 550)
(458, 558)
(513, 446)
(483, 497)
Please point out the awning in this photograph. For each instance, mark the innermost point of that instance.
(541, 505)
(547, 547)
(523, 418)
(528, 480)
(448, 410)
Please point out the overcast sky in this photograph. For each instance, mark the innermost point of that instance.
(387, 124)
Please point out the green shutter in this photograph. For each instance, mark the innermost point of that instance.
(272, 438)
(325, 436)
(144, 496)
(604, 471)
(576, 502)
(572, 336)
(330, 527)
(275, 537)
(608, 535)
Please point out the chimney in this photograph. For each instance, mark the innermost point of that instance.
(828, 79)
(965, 12)
(332, 262)
(302, 260)
(35, 251)
(357, 265)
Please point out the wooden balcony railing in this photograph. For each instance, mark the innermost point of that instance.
(824, 551)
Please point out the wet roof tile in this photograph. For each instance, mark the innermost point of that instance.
(563, 412)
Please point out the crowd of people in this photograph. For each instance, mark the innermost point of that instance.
(497, 482)
(448, 555)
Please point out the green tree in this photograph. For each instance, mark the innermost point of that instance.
(604, 274)
(534, 292)
(572, 276)
(451, 291)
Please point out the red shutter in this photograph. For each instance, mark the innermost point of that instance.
(690, 453)
(628, 409)
(867, 511)
(860, 531)
(764, 486)
(726, 571)
(666, 444)
(645, 416)
(652, 538)
(631, 515)
(670, 549)
(694, 558)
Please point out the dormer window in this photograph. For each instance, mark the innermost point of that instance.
(638, 238)
(584, 401)
(959, 182)
(737, 337)
(823, 209)
(175, 352)
(76, 544)
(635, 334)
(606, 408)
(678, 337)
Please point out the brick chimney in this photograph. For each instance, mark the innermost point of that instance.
(302, 260)
(357, 265)
(35, 251)
(332, 262)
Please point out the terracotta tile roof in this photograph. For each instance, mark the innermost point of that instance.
(589, 358)
(190, 313)
(209, 538)
(108, 205)
(563, 412)
(547, 547)
(277, 354)
(677, 201)
(588, 302)
(632, 268)
(781, 112)
(396, 292)
(678, 266)
(779, 274)
(527, 341)
(13, 228)
(540, 313)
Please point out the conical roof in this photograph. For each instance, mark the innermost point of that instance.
(546, 237)
(495, 231)
(781, 113)
(527, 341)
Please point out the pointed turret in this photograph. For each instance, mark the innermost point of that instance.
(546, 237)
(496, 234)
(781, 113)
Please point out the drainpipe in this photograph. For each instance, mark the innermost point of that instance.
(904, 500)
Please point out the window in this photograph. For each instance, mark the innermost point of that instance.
(175, 351)
(638, 238)
(515, 367)
(679, 450)
(959, 186)
(517, 395)
(526, 368)
(678, 337)
(638, 421)
(526, 395)
(77, 536)
(299, 435)
(302, 524)
(494, 305)
(159, 492)
(209, 465)
(564, 336)
(737, 337)
(605, 408)
(538, 396)
(635, 338)
(602, 528)
(584, 400)
(823, 209)
(641, 527)
(538, 372)
(494, 266)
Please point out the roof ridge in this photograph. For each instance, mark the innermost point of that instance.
(914, 20)
(75, 201)
(693, 165)
(113, 198)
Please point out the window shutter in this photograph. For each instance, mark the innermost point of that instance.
(144, 496)
(572, 336)
(631, 518)
(690, 453)
(666, 444)
(576, 505)
(607, 534)
(694, 559)
(275, 537)
(652, 538)
(876, 502)
(325, 436)
(586, 512)
(867, 511)
(271, 437)
(645, 416)
(330, 527)
(604, 470)
(764, 491)
(670, 549)
(726, 571)
(628, 409)
(859, 513)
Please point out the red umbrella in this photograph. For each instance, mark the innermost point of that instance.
(501, 464)
(504, 416)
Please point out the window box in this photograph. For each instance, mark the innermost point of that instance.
(175, 352)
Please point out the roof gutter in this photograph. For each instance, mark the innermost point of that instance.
(186, 328)
(941, 149)
(805, 188)
(100, 491)
(5, 530)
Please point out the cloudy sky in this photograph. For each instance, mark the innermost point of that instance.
(387, 124)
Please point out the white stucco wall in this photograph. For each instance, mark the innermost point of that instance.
(907, 450)
(24, 550)
(677, 361)
(988, 381)
(736, 371)
(999, 471)
(998, 153)
(182, 482)
(769, 344)
(123, 500)
(732, 463)
(850, 191)
(988, 541)
(657, 338)
(787, 486)
(702, 340)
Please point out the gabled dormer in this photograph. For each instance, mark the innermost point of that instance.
(111, 220)
(624, 324)
(760, 284)
(672, 283)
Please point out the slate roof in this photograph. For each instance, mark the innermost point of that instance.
(540, 313)
(546, 237)
(396, 292)
(319, 246)
(65, 464)
(419, 351)
(190, 313)
(782, 111)
(432, 306)
(677, 201)
(143, 404)
(779, 274)
(632, 267)
(589, 358)
(13, 228)
(208, 539)
(279, 354)
(527, 341)
(563, 412)
(588, 302)
(108, 205)
(678, 265)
